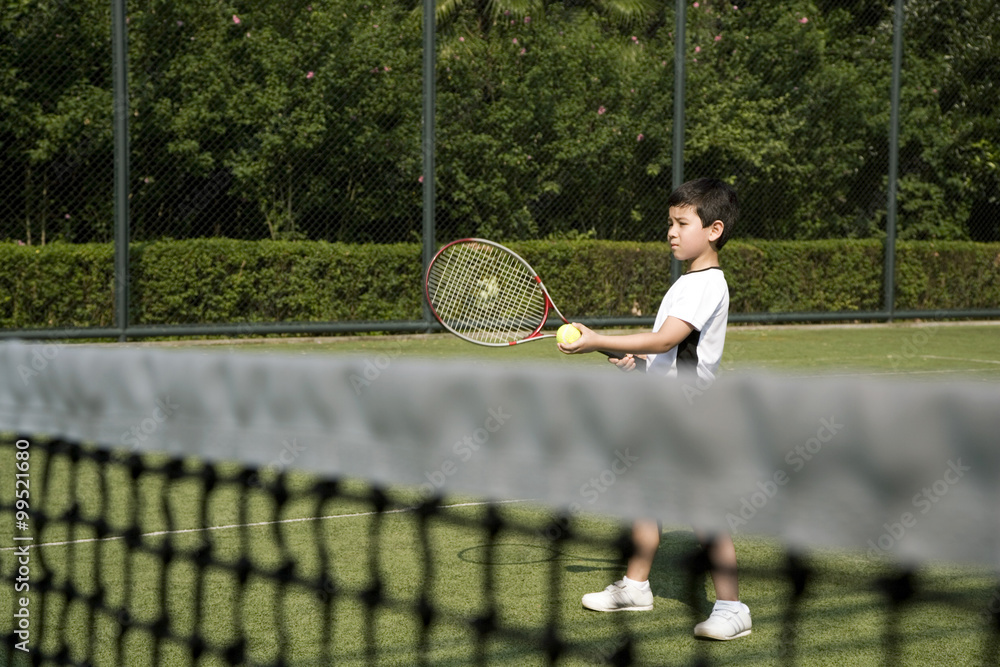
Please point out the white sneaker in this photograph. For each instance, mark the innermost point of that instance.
(619, 596)
(724, 624)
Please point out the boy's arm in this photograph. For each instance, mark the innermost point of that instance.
(670, 335)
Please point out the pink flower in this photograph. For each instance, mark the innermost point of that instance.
(421, 179)
(635, 39)
(523, 51)
(515, 40)
(310, 75)
(461, 39)
(718, 38)
(67, 216)
(640, 137)
(527, 19)
(387, 68)
(696, 5)
(697, 49)
(236, 19)
(601, 110)
(803, 20)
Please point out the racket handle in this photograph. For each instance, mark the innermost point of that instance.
(640, 364)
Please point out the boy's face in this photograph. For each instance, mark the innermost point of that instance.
(688, 239)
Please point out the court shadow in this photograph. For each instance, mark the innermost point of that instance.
(669, 578)
(516, 553)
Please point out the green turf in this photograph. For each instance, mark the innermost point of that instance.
(842, 618)
(972, 350)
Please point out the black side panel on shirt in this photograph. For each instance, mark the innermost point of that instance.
(687, 356)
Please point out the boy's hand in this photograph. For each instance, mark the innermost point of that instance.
(585, 343)
(626, 363)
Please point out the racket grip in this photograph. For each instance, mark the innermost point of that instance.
(640, 363)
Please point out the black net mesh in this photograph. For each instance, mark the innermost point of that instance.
(129, 559)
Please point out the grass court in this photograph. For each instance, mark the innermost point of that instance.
(842, 620)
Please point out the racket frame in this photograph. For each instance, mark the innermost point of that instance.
(536, 334)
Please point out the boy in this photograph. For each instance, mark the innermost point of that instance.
(686, 342)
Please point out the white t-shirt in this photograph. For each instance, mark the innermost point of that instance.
(700, 298)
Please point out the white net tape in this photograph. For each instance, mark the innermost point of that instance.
(905, 470)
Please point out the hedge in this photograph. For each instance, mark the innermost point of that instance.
(222, 280)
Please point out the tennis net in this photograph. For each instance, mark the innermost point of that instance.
(200, 508)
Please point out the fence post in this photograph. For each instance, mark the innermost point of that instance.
(889, 280)
(119, 44)
(429, 107)
(680, 55)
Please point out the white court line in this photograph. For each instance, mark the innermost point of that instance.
(977, 361)
(251, 525)
(861, 374)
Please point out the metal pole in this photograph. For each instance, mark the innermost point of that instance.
(119, 48)
(889, 280)
(677, 158)
(429, 105)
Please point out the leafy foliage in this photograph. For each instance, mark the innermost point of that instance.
(302, 119)
(226, 280)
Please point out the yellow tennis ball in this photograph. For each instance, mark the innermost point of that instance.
(567, 333)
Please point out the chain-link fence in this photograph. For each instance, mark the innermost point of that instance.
(56, 123)
(275, 120)
(301, 121)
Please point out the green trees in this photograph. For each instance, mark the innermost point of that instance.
(55, 120)
(301, 119)
(282, 121)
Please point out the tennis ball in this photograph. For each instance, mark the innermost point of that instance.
(489, 289)
(567, 333)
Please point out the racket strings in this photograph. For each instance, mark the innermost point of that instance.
(493, 297)
(484, 293)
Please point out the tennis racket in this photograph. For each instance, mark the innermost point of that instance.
(488, 295)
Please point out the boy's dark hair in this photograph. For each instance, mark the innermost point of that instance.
(714, 200)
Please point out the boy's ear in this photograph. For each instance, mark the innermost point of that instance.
(715, 230)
